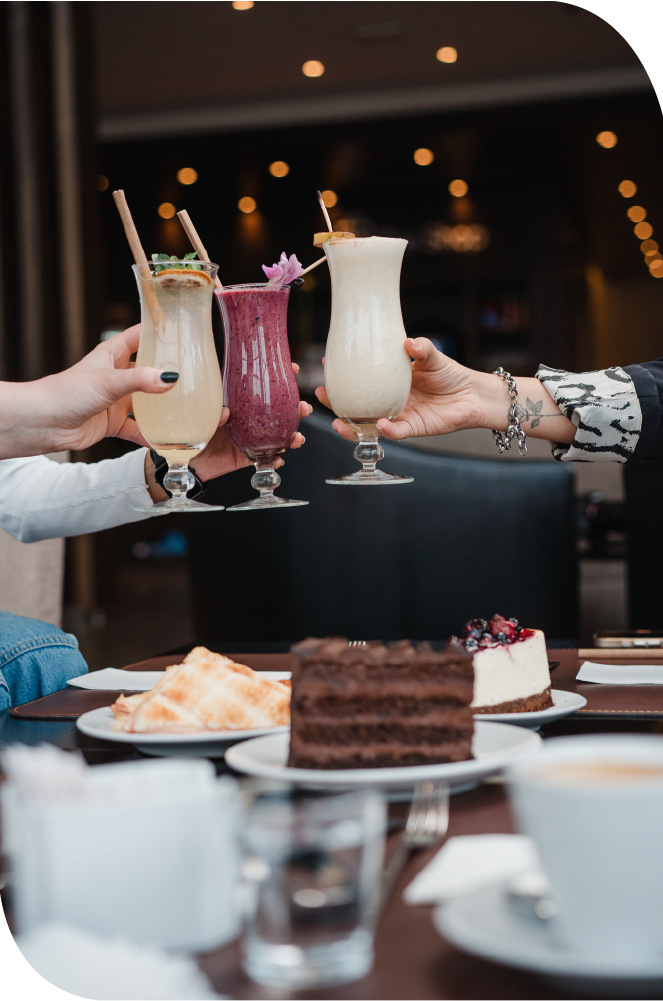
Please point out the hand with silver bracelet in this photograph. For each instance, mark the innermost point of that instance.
(447, 396)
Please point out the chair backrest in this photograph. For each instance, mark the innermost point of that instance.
(468, 538)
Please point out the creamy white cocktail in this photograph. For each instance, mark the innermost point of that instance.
(367, 369)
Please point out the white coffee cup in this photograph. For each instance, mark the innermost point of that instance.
(594, 806)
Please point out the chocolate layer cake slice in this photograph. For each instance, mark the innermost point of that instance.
(379, 706)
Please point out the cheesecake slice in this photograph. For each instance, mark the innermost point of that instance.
(511, 673)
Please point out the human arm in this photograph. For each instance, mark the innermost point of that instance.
(448, 397)
(77, 407)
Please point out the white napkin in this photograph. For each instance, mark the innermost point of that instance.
(90, 966)
(111, 679)
(469, 862)
(621, 674)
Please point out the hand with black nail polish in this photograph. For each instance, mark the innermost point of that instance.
(76, 408)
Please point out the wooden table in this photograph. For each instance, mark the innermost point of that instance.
(412, 961)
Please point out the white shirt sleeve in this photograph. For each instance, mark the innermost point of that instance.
(41, 499)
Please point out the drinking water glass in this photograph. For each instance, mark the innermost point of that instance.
(311, 874)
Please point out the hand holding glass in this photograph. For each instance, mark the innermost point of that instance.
(176, 336)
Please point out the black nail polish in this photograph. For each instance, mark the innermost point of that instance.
(170, 376)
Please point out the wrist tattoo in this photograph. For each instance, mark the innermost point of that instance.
(532, 411)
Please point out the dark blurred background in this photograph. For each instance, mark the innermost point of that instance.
(493, 136)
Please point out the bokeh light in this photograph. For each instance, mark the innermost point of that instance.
(458, 188)
(279, 168)
(643, 230)
(242, 4)
(637, 213)
(423, 157)
(649, 247)
(187, 175)
(102, 182)
(166, 210)
(329, 198)
(247, 204)
(447, 54)
(627, 189)
(606, 139)
(313, 67)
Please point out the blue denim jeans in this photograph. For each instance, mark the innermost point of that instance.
(36, 659)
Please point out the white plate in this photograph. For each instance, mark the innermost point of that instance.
(494, 746)
(113, 679)
(564, 703)
(210, 744)
(480, 922)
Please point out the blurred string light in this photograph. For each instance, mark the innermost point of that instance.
(313, 67)
(187, 175)
(447, 54)
(242, 4)
(329, 197)
(606, 139)
(458, 188)
(461, 239)
(247, 205)
(423, 157)
(102, 182)
(166, 210)
(279, 168)
(636, 213)
(643, 230)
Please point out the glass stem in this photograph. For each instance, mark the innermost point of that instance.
(369, 451)
(265, 479)
(178, 480)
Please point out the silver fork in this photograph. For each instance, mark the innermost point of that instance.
(427, 822)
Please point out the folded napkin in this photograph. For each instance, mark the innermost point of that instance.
(111, 679)
(90, 966)
(621, 674)
(470, 862)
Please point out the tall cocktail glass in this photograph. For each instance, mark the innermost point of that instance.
(176, 336)
(367, 369)
(260, 388)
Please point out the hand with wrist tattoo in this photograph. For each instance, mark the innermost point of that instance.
(446, 397)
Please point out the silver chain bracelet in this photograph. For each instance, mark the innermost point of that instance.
(515, 428)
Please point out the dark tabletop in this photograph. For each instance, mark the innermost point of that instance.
(412, 961)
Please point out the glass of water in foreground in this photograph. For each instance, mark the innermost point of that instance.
(311, 874)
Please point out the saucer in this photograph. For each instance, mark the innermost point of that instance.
(482, 923)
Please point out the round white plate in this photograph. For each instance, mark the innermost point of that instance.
(564, 703)
(494, 745)
(480, 922)
(210, 744)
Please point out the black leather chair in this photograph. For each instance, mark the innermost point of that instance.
(468, 538)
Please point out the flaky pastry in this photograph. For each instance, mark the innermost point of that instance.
(206, 692)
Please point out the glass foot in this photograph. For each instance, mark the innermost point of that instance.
(369, 478)
(183, 505)
(265, 503)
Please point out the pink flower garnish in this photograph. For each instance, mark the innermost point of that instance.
(284, 272)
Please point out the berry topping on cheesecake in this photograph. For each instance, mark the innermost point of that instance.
(479, 634)
(511, 672)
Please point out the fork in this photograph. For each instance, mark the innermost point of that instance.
(427, 822)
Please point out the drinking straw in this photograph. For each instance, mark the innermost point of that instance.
(325, 212)
(314, 265)
(136, 246)
(196, 242)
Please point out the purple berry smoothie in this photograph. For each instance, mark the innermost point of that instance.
(259, 385)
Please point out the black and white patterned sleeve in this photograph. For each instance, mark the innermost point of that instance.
(604, 407)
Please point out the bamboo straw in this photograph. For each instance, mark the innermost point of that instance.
(314, 265)
(325, 212)
(196, 242)
(623, 653)
(136, 246)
